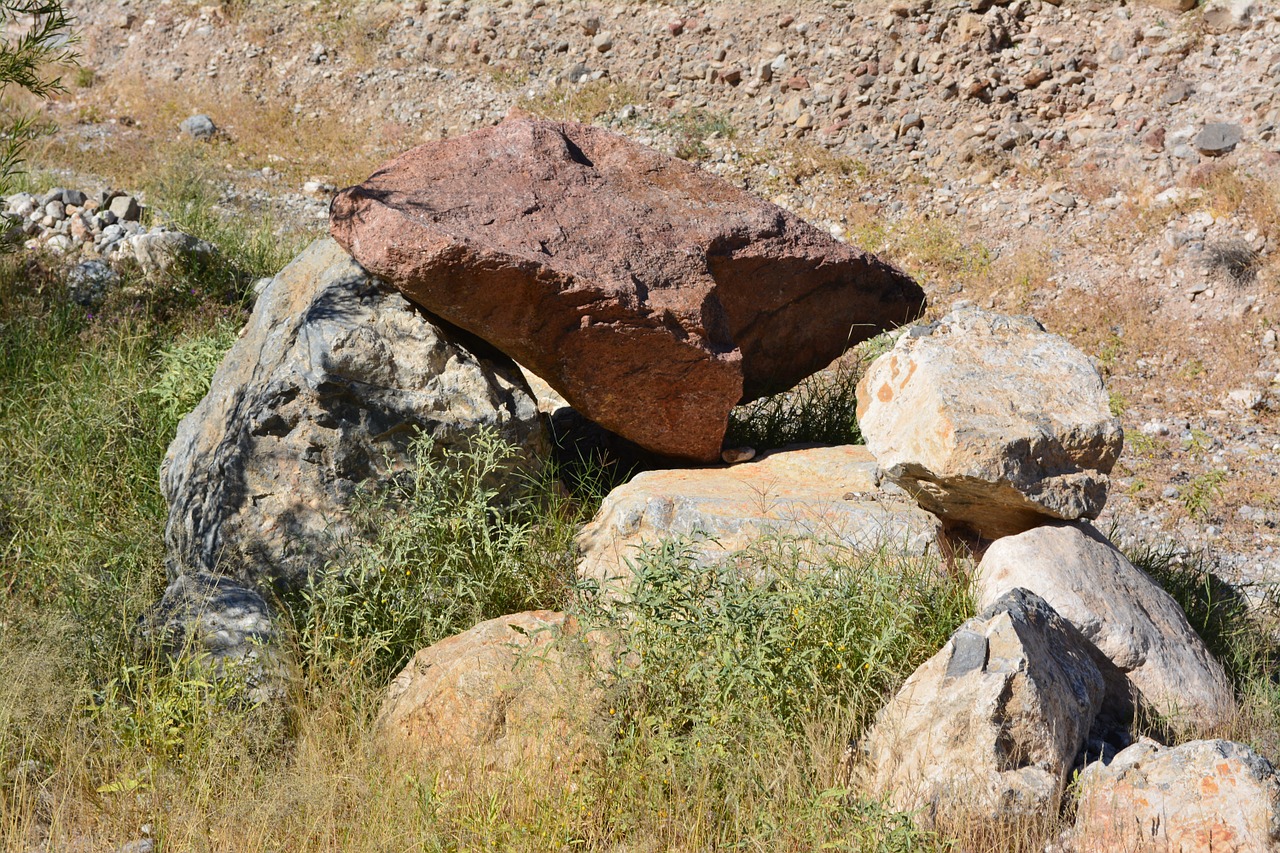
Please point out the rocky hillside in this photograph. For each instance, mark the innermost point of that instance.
(1110, 168)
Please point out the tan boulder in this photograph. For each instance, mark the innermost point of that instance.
(1120, 609)
(515, 690)
(1207, 796)
(989, 726)
(823, 497)
(992, 423)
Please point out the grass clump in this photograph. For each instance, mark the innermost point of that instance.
(822, 409)
(693, 129)
(738, 691)
(449, 547)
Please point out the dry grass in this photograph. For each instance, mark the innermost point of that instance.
(584, 102)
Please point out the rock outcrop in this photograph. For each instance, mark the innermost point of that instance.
(991, 423)
(515, 690)
(823, 498)
(1207, 796)
(652, 295)
(989, 726)
(320, 398)
(1121, 610)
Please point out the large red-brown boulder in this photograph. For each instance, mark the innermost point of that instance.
(651, 294)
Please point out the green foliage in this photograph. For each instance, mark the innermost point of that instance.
(445, 550)
(40, 36)
(722, 669)
(186, 369)
(712, 650)
(694, 128)
(1201, 492)
(822, 409)
(188, 192)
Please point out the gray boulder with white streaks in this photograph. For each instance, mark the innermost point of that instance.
(318, 401)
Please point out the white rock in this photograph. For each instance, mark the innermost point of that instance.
(989, 726)
(825, 496)
(1117, 606)
(991, 423)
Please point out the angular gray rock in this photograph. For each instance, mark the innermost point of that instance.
(1217, 139)
(199, 127)
(989, 727)
(991, 423)
(89, 282)
(1207, 796)
(825, 496)
(319, 400)
(1121, 610)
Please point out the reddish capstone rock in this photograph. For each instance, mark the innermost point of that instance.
(652, 295)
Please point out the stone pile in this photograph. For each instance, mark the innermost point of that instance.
(102, 233)
(63, 220)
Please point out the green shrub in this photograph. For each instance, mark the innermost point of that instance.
(736, 688)
(715, 645)
(443, 551)
(822, 409)
(186, 369)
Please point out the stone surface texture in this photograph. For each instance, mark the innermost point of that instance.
(651, 294)
(989, 726)
(510, 691)
(1206, 796)
(1120, 609)
(991, 423)
(825, 495)
(319, 399)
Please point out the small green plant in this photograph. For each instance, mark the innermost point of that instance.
(1200, 494)
(694, 128)
(85, 77)
(37, 37)
(1117, 403)
(187, 368)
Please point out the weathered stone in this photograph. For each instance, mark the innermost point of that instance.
(1217, 139)
(652, 295)
(217, 621)
(1131, 620)
(125, 207)
(1222, 15)
(990, 726)
(89, 282)
(823, 497)
(319, 399)
(1207, 796)
(991, 422)
(199, 127)
(516, 690)
(158, 252)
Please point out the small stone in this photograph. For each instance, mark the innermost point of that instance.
(199, 127)
(125, 207)
(89, 282)
(735, 455)
(56, 211)
(1217, 139)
